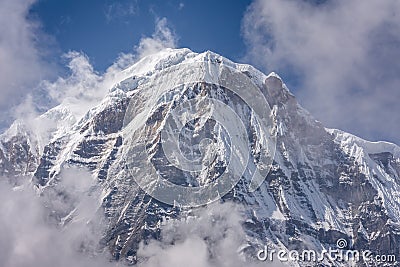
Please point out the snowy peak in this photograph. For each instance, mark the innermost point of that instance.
(167, 58)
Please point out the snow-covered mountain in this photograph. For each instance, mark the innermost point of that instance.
(322, 185)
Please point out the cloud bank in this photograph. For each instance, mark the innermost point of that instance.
(32, 234)
(209, 237)
(63, 228)
(344, 55)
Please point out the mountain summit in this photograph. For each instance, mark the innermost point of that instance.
(181, 129)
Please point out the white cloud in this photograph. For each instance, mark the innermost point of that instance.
(21, 63)
(82, 89)
(344, 54)
(163, 37)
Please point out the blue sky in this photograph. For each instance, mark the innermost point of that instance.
(339, 58)
(102, 29)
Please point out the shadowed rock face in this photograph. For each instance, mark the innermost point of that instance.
(16, 157)
(387, 161)
(323, 185)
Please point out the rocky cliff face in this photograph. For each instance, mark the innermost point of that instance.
(322, 185)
